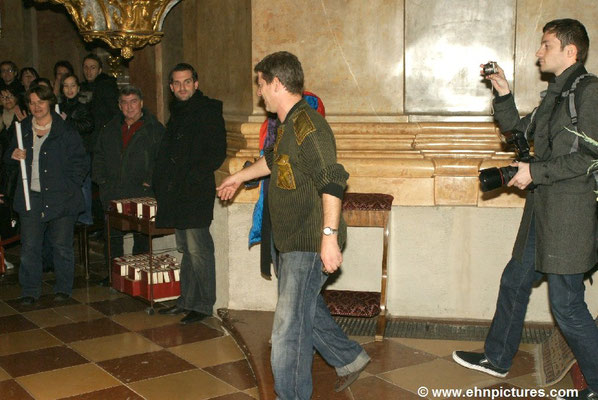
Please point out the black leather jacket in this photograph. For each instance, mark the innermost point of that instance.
(79, 117)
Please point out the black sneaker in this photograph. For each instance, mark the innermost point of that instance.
(585, 394)
(479, 362)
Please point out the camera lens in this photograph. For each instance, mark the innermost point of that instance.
(490, 179)
(493, 178)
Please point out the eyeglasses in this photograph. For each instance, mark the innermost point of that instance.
(9, 97)
(7, 70)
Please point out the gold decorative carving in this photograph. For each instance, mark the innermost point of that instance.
(122, 24)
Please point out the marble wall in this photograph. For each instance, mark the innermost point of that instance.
(351, 51)
(412, 117)
(216, 39)
(392, 60)
(445, 43)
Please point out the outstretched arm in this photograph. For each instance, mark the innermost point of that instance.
(229, 186)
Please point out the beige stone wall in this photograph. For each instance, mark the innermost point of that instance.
(444, 262)
(411, 116)
(39, 36)
(351, 51)
(531, 17)
(217, 41)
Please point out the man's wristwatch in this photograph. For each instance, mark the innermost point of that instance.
(329, 231)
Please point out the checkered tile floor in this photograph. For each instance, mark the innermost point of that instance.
(103, 345)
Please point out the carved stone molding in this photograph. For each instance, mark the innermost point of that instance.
(418, 163)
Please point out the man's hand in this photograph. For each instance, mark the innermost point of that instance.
(228, 187)
(230, 184)
(1, 198)
(330, 253)
(523, 177)
(18, 154)
(499, 82)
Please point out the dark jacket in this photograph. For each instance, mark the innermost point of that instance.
(564, 203)
(79, 117)
(15, 85)
(9, 173)
(102, 97)
(121, 174)
(63, 165)
(193, 148)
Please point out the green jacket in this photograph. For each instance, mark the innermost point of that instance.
(303, 164)
(564, 203)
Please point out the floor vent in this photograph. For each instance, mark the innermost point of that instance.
(431, 330)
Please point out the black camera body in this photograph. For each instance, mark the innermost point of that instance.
(493, 178)
(490, 68)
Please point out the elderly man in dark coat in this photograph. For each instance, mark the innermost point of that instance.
(124, 158)
(193, 148)
(557, 235)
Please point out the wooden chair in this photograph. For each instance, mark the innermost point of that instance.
(365, 210)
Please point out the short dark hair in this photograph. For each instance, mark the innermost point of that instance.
(13, 66)
(41, 82)
(28, 69)
(43, 92)
(284, 66)
(64, 64)
(75, 77)
(12, 90)
(94, 57)
(570, 31)
(183, 67)
(130, 89)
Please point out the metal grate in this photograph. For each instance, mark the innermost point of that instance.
(431, 330)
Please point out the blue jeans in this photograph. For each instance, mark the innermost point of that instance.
(566, 294)
(60, 239)
(198, 270)
(302, 322)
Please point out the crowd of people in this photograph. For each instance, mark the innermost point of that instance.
(52, 109)
(76, 133)
(102, 134)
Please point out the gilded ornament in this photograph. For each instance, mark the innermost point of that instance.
(122, 24)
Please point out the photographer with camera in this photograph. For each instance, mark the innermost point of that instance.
(557, 235)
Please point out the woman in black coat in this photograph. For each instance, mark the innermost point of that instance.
(78, 115)
(56, 165)
(74, 112)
